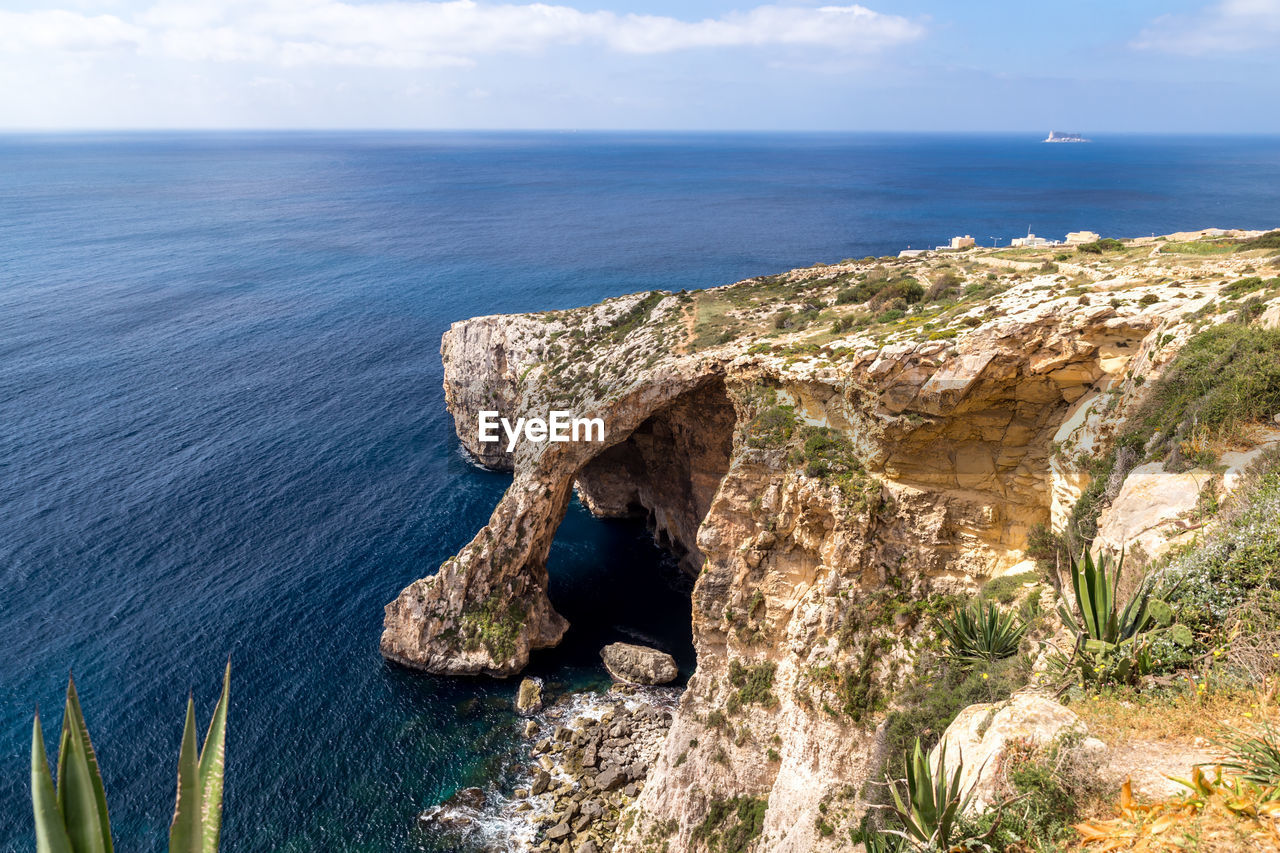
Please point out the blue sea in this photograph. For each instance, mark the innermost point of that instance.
(222, 430)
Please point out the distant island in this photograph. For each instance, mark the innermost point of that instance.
(1054, 136)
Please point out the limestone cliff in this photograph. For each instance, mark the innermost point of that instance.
(825, 449)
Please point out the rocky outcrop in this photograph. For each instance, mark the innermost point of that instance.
(979, 741)
(822, 483)
(634, 664)
(591, 768)
(529, 696)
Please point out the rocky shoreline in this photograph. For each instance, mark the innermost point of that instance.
(588, 756)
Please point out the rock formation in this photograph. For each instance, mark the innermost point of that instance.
(821, 478)
(529, 696)
(979, 739)
(638, 664)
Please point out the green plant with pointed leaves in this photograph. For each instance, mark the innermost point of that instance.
(73, 817)
(1114, 643)
(1254, 757)
(931, 806)
(981, 633)
(883, 842)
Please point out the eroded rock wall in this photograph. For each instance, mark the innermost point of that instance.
(810, 577)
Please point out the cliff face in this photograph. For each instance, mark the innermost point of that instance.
(821, 483)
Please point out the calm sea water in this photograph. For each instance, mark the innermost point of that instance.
(222, 429)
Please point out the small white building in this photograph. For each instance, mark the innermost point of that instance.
(1076, 237)
(1030, 241)
(957, 244)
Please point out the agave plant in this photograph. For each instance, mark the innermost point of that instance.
(883, 842)
(981, 633)
(932, 805)
(73, 817)
(1111, 641)
(1097, 592)
(1254, 757)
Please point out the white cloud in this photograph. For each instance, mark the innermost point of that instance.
(429, 34)
(1229, 26)
(60, 30)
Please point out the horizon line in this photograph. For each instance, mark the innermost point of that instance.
(603, 130)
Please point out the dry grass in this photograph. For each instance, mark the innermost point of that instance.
(1185, 717)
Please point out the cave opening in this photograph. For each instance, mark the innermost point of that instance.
(624, 559)
(667, 471)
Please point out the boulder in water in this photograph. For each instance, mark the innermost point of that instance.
(638, 664)
(529, 696)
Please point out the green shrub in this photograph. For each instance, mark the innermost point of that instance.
(731, 825)
(633, 318)
(1097, 247)
(1242, 286)
(1048, 787)
(929, 702)
(1005, 588)
(1226, 376)
(493, 626)
(907, 289)
(1270, 240)
(943, 286)
(752, 685)
(1230, 580)
(772, 427)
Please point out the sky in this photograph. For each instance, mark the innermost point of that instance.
(915, 65)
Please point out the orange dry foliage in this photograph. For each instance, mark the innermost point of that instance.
(1219, 813)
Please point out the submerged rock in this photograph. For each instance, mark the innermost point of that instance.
(471, 798)
(638, 664)
(459, 813)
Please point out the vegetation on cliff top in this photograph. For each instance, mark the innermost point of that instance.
(1224, 380)
(494, 626)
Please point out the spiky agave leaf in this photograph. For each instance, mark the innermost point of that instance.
(186, 834)
(933, 802)
(1254, 756)
(81, 797)
(212, 761)
(51, 830)
(1095, 597)
(981, 633)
